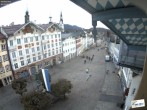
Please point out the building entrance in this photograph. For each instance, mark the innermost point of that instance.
(1, 83)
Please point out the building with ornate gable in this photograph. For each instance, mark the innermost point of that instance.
(32, 47)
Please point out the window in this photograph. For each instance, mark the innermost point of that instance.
(38, 49)
(16, 65)
(59, 35)
(13, 55)
(2, 70)
(56, 44)
(7, 67)
(11, 42)
(27, 51)
(52, 45)
(28, 61)
(42, 37)
(33, 50)
(53, 52)
(39, 57)
(60, 43)
(48, 45)
(36, 38)
(0, 59)
(49, 54)
(55, 36)
(25, 40)
(22, 63)
(34, 58)
(44, 47)
(45, 55)
(56, 51)
(20, 53)
(18, 41)
(5, 57)
(3, 47)
(47, 36)
(31, 39)
(51, 36)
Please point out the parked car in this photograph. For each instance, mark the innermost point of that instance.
(107, 58)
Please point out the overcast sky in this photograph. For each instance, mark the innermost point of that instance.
(41, 10)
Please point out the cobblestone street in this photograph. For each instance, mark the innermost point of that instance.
(95, 90)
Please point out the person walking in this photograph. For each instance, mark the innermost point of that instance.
(87, 70)
(92, 57)
(84, 61)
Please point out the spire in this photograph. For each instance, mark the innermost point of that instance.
(27, 16)
(61, 18)
(61, 22)
(50, 19)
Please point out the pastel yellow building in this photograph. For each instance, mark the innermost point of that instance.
(5, 69)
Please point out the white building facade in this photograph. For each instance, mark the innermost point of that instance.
(130, 78)
(69, 46)
(32, 47)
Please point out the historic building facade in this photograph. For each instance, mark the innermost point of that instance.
(32, 47)
(69, 46)
(5, 68)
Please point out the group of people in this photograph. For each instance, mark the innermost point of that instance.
(88, 58)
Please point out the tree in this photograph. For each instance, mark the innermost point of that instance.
(61, 88)
(37, 101)
(19, 85)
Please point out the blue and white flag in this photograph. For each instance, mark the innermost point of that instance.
(46, 78)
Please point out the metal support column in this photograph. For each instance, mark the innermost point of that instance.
(94, 31)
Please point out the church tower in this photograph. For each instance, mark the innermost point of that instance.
(61, 24)
(27, 17)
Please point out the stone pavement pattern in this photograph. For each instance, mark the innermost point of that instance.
(90, 91)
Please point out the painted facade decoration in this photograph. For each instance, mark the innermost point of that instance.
(5, 68)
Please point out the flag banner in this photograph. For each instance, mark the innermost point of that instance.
(46, 78)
